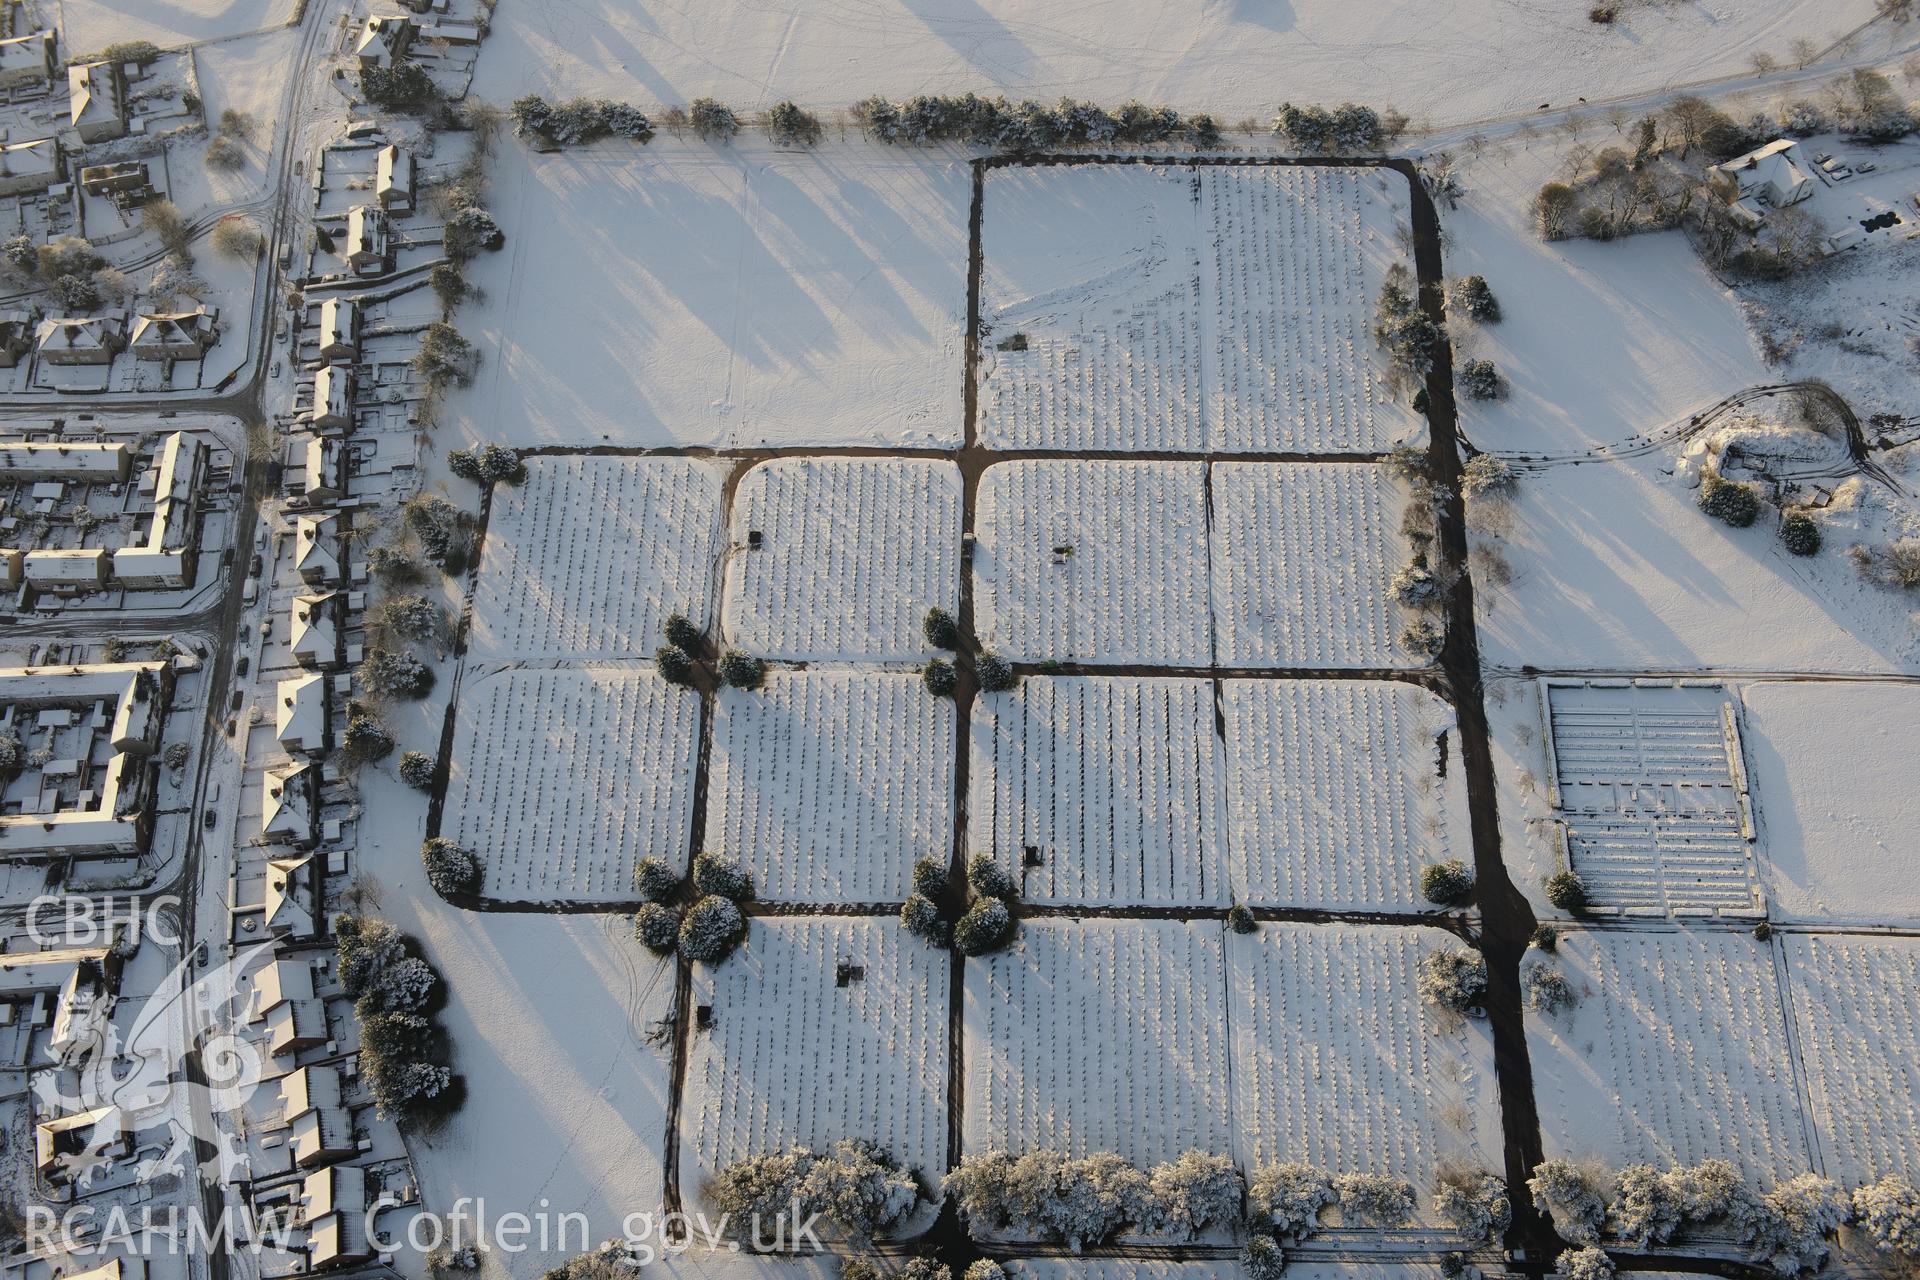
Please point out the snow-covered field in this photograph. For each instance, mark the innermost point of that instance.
(1093, 562)
(1832, 769)
(1654, 798)
(1101, 790)
(589, 556)
(1100, 1035)
(840, 558)
(1471, 59)
(1859, 1036)
(1188, 309)
(718, 296)
(1337, 1062)
(828, 785)
(563, 779)
(1302, 555)
(87, 26)
(796, 1055)
(1336, 793)
(1676, 1051)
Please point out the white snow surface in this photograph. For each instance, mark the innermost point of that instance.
(829, 784)
(853, 553)
(1466, 60)
(1832, 766)
(589, 556)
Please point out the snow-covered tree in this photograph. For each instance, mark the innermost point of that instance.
(920, 916)
(712, 119)
(451, 870)
(1474, 1204)
(996, 673)
(1789, 1227)
(496, 462)
(1422, 637)
(722, 874)
(657, 926)
(930, 877)
(1565, 1193)
(1544, 989)
(416, 769)
(860, 1189)
(741, 670)
(1567, 891)
(1471, 297)
(1263, 1259)
(1481, 380)
(1888, 1211)
(988, 879)
(1454, 980)
(364, 948)
(790, 125)
(712, 929)
(985, 927)
(939, 677)
(984, 1269)
(1487, 476)
(1373, 1199)
(674, 665)
(1646, 1209)
(1094, 1199)
(1447, 884)
(655, 879)
(1287, 1198)
(1416, 586)
(1193, 1193)
(1588, 1263)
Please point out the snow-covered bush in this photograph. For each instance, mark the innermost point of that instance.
(1480, 380)
(1544, 989)
(441, 528)
(451, 870)
(926, 1269)
(789, 125)
(1447, 884)
(742, 671)
(396, 673)
(1471, 297)
(939, 677)
(1454, 980)
(1373, 1199)
(1194, 1192)
(1789, 1227)
(712, 119)
(1707, 1191)
(410, 616)
(712, 929)
(995, 672)
(759, 1191)
(930, 877)
(401, 1088)
(1566, 1194)
(1046, 1195)
(1422, 637)
(988, 879)
(1729, 501)
(682, 631)
(1416, 586)
(1486, 476)
(416, 769)
(985, 927)
(1474, 1204)
(404, 986)
(1567, 891)
(1801, 118)
(496, 462)
(1585, 1264)
(1240, 919)
(1646, 1209)
(1404, 331)
(655, 879)
(446, 1258)
(920, 916)
(941, 630)
(364, 948)
(1287, 1198)
(860, 1189)
(674, 664)
(1888, 1211)
(985, 1269)
(657, 927)
(1345, 129)
(723, 875)
(1799, 534)
(1263, 1259)
(9, 750)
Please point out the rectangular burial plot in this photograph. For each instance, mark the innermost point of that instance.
(1338, 1062)
(588, 556)
(840, 558)
(829, 784)
(1859, 1034)
(1090, 309)
(1100, 790)
(1302, 556)
(1098, 562)
(1099, 1035)
(1676, 1050)
(1833, 779)
(818, 1030)
(1339, 791)
(1297, 258)
(562, 780)
(1649, 782)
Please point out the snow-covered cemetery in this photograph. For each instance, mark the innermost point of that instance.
(959, 639)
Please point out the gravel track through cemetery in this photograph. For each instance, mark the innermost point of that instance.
(730, 756)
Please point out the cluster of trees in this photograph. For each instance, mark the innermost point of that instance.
(1402, 328)
(1029, 126)
(986, 925)
(442, 529)
(577, 122)
(404, 86)
(942, 631)
(1347, 129)
(1789, 1228)
(227, 151)
(857, 1188)
(1895, 565)
(395, 673)
(1453, 980)
(674, 659)
(366, 737)
(444, 357)
(489, 464)
(409, 616)
(396, 993)
(712, 926)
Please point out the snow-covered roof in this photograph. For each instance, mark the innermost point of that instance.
(324, 1133)
(28, 53)
(333, 1207)
(292, 904)
(339, 326)
(112, 824)
(96, 460)
(94, 93)
(286, 813)
(309, 1088)
(60, 334)
(283, 980)
(316, 631)
(39, 158)
(295, 1025)
(393, 175)
(169, 332)
(326, 464)
(66, 566)
(333, 394)
(175, 526)
(366, 232)
(317, 547)
(383, 39)
(300, 713)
